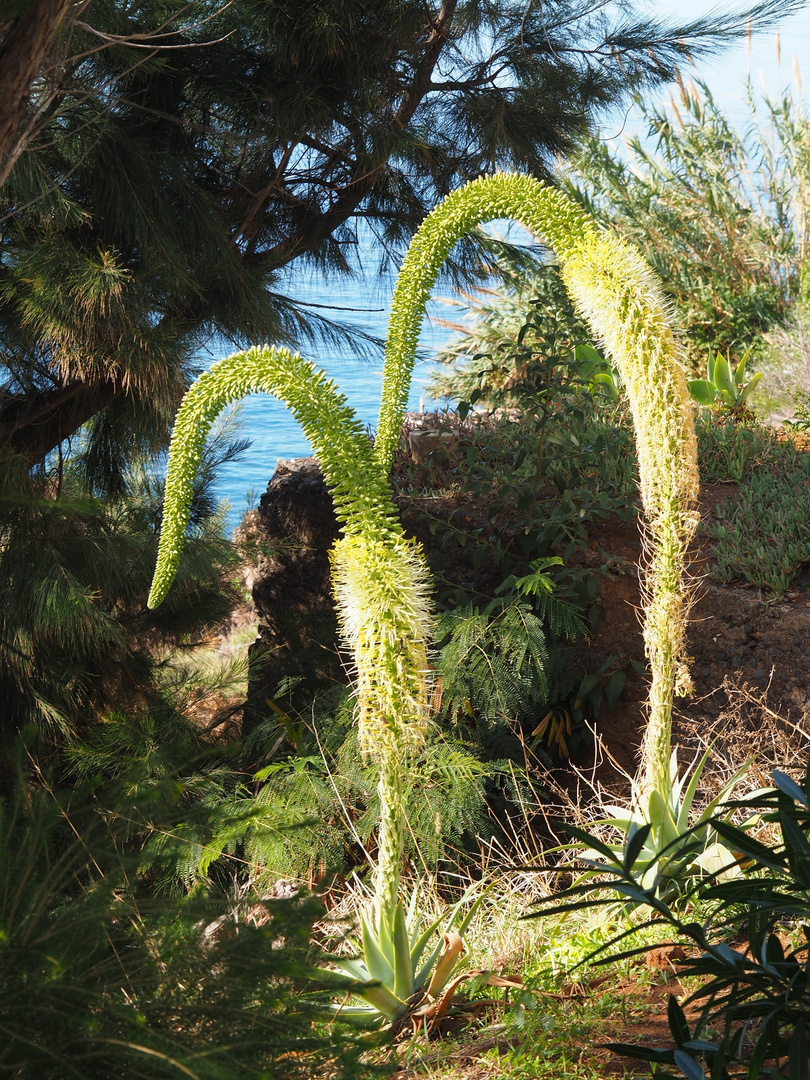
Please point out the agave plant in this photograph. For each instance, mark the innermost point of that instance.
(724, 386)
(394, 979)
(663, 845)
(379, 577)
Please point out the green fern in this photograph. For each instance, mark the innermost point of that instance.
(494, 661)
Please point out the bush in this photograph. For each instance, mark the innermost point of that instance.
(717, 213)
(100, 979)
(755, 999)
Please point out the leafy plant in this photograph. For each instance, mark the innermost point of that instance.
(725, 387)
(753, 1002)
(406, 982)
(720, 214)
(762, 533)
(75, 639)
(664, 843)
(316, 813)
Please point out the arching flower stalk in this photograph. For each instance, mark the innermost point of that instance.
(379, 577)
(621, 299)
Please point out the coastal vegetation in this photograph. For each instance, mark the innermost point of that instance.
(421, 864)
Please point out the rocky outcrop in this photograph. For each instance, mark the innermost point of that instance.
(297, 624)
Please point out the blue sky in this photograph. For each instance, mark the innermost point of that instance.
(726, 71)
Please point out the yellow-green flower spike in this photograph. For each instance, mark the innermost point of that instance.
(380, 579)
(382, 593)
(622, 301)
(360, 492)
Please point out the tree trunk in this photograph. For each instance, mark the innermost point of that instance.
(23, 52)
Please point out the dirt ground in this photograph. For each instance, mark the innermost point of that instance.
(748, 656)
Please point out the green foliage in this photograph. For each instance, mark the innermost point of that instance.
(508, 334)
(730, 450)
(494, 661)
(75, 639)
(753, 1007)
(725, 386)
(563, 458)
(762, 533)
(98, 979)
(312, 811)
(665, 844)
(407, 982)
(720, 215)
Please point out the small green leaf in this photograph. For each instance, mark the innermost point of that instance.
(403, 964)
(677, 1021)
(614, 688)
(376, 961)
(688, 1066)
(724, 380)
(589, 354)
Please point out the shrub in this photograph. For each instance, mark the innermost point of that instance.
(719, 214)
(753, 1002)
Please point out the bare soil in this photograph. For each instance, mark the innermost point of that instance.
(748, 656)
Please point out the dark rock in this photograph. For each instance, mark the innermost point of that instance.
(297, 624)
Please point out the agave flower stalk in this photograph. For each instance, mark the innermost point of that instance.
(379, 577)
(621, 299)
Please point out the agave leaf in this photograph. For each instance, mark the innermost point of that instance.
(702, 391)
(353, 967)
(411, 919)
(447, 963)
(476, 904)
(691, 790)
(739, 374)
(749, 386)
(375, 960)
(365, 1017)
(719, 861)
(724, 380)
(424, 972)
(657, 809)
(419, 946)
(380, 997)
(403, 962)
(374, 992)
(635, 844)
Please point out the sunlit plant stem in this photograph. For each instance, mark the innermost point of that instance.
(621, 299)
